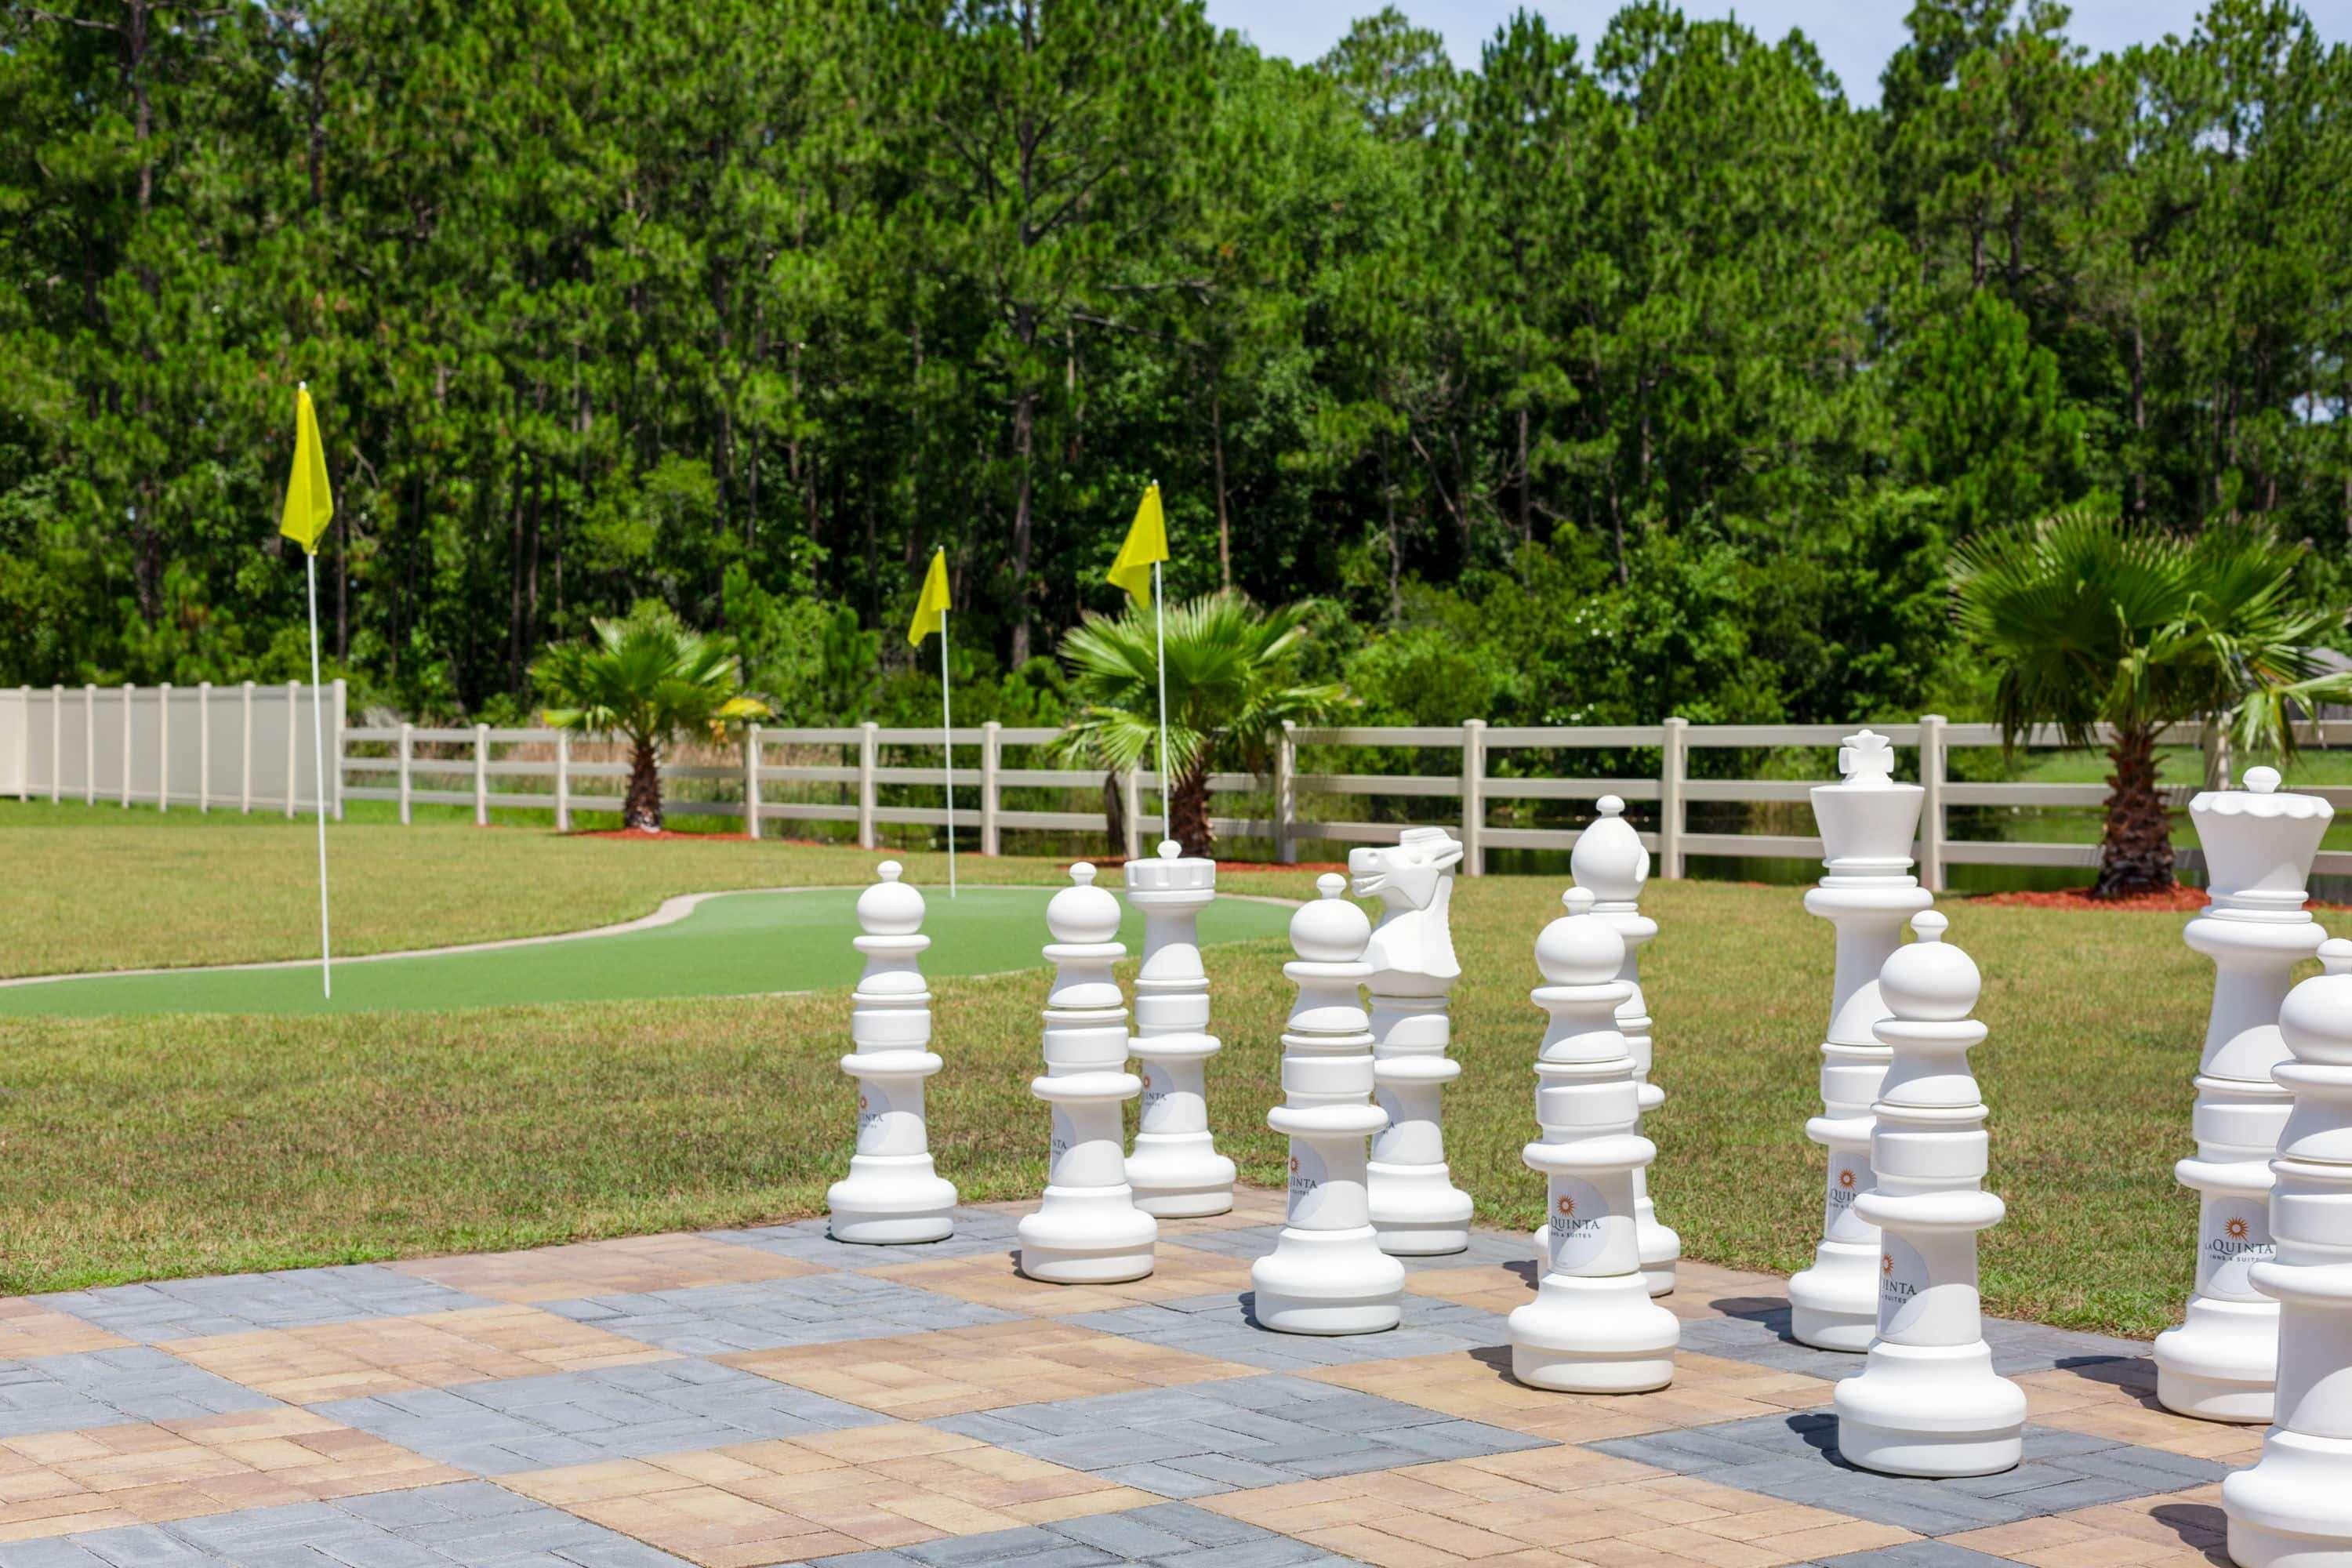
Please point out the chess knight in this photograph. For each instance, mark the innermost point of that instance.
(1416, 1209)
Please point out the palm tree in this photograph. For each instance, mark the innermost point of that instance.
(649, 678)
(1232, 682)
(2091, 620)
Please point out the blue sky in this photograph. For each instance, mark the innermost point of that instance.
(1854, 35)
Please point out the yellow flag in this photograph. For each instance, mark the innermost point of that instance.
(931, 608)
(310, 505)
(1147, 541)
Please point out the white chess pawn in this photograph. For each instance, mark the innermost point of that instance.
(1416, 1208)
(2294, 1506)
(1928, 1402)
(1326, 1274)
(1609, 859)
(1086, 1229)
(1176, 1171)
(891, 1194)
(1592, 1328)
(1867, 822)
(2221, 1363)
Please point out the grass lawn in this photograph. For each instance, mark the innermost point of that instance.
(142, 1147)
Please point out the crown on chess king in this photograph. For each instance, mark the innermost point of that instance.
(1867, 820)
(1171, 871)
(2258, 844)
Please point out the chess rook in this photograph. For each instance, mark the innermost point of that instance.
(1592, 1328)
(1086, 1230)
(1866, 821)
(1610, 860)
(1175, 1170)
(1929, 1403)
(891, 1194)
(1326, 1274)
(2294, 1506)
(1416, 1208)
(2221, 1363)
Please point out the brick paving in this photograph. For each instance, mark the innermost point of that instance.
(742, 1398)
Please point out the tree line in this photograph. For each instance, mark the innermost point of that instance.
(1615, 377)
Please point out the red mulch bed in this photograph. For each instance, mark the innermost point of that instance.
(2176, 900)
(664, 835)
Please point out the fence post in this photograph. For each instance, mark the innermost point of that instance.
(244, 763)
(293, 746)
(564, 780)
(204, 745)
(867, 746)
(2216, 744)
(89, 744)
(57, 740)
(163, 747)
(335, 757)
(408, 751)
(481, 776)
(25, 747)
(1673, 768)
(127, 690)
(1933, 762)
(1131, 801)
(1286, 794)
(1474, 796)
(751, 780)
(992, 758)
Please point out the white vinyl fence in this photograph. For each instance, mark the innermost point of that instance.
(223, 747)
(228, 748)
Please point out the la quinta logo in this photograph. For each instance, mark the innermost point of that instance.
(1567, 1207)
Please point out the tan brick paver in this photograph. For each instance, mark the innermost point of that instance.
(57, 1483)
(2117, 1400)
(919, 1376)
(1553, 1507)
(632, 1266)
(393, 1356)
(2174, 1529)
(869, 1488)
(1477, 1386)
(28, 1329)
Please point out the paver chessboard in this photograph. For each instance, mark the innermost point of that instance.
(770, 1396)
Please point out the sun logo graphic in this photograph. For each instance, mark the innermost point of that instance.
(1846, 1178)
(1567, 1208)
(1294, 1164)
(2237, 1229)
(1885, 1263)
(861, 1102)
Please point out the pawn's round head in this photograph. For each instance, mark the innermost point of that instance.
(2317, 1017)
(1083, 913)
(2262, 780)
(890, 906)
(1580, 947)
(1330, 929)
(1929, 981)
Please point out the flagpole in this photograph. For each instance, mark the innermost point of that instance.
(1160, 615)
(318, 746)
(946, 752)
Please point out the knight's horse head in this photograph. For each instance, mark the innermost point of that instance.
(1408, 872)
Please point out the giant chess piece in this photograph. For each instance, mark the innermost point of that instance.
(891, 1194)
(2221, 1363)
(1176, 1171)
(1609, 859)
(2294, 1506)
(1592, 1328)
(1416, 1208)
(1928, 1402)
(1326, 1274)
(1867, 822)
(1086, 1230)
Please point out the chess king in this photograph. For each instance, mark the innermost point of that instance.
(2221, 1363)
(1867, 822)
(1416, 1209)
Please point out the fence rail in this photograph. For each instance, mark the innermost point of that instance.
(245, 747)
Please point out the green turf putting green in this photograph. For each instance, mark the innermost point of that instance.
(730, 944)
